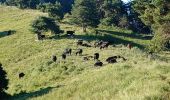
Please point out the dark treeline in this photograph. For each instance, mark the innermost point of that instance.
(66, 4)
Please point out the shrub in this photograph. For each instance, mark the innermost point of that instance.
(161, 38)
(3, 82)
(44, 24)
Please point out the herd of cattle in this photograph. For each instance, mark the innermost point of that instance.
(68, 52)
(101, 44)
(70, 34)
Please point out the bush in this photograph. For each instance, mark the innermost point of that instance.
(44, 24)
(3, 82)
(123, 22)
(161, 38)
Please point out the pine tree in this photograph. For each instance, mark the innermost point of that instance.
(55, 11)
(85, 13)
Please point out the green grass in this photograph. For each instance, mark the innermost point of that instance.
(139, 78)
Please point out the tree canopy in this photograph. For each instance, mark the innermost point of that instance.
(156, 14)
(85, 13)
(44, 24)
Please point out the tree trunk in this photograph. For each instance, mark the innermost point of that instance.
(84, 28)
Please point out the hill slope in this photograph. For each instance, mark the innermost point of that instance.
(137, 78)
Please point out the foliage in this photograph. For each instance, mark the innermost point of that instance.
(66, 5)
(3, 82)
(110, 11)
(23, 3)
(54, 10)
(44, 24)
(161, 38)
(154, 13)
(85, 13)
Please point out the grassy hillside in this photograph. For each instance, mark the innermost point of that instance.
(139, 78)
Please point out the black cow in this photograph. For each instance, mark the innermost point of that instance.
(70, 33)
(54, 58)
(40, 36)
(79, 42)
(21, 75)
(87, 58)
(79, 52)
(96, 56)
(64, 56)
(68, 51)
(98, 63)
(86, 45)
(112, 59)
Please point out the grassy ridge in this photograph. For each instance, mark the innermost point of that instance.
(136, 79)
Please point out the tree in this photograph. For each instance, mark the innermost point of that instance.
(3, 82)
(85, 13)
(135, 23)
(156, 14)
(55, 11)
(66, 5)
(2, 1)
(111, 11)
(161, 38)
(23, 3)
(44, 24)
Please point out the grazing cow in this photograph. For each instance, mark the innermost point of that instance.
(42, 36)
(21, 75)
(70, 33)
(61, 31)
(96, 56)
(129, 46)
(87, 58)
(104, 45)
(79, 42)
(112, 59)
(86, 45)
(68, 51)
(98, 63)
(79, 52)
(98, 43)
(54, 58)
(151, 53)
(64, 56)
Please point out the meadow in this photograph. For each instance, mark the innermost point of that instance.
(138, 78)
